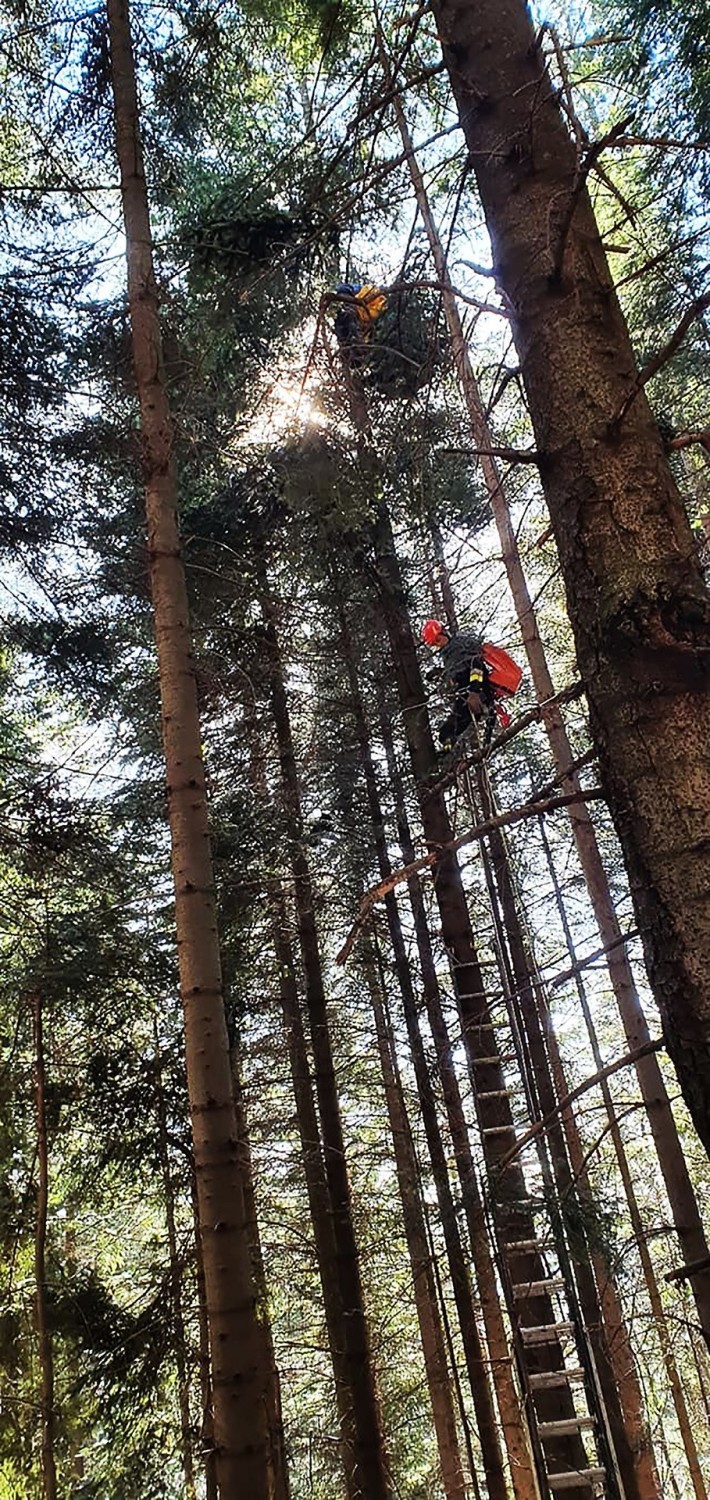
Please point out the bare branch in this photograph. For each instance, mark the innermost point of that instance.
(426, 861)
(660, 140)
(687, 439)
(662, 357)
(685, 1273)
(512, 455)
(594, 152)
(626, 1061)
(626, 937)
(472, 265)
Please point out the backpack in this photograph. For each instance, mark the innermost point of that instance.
(504, 676)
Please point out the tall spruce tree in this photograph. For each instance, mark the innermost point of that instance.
(637, 600)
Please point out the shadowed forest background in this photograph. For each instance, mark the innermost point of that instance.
(389, 1179)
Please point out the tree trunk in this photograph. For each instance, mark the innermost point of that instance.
(613, 1360)
(499, 1355)
(640, 1235)
(430, 1330)
(508, 1402)
(316, 1187)
(280, 1487)
(207, 1405)
(639, 608)
(509, 1200)
(238, 1376)
(311, 1145)
(371, 1463)
(179, 1339)
(672, 1161)
(44, 1338)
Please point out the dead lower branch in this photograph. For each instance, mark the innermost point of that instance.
(626, 937)
(687, 439)
(512, 455)
(626, 1061)
(660, 359)
(686, 1273)
(426, 861)
(595, 150)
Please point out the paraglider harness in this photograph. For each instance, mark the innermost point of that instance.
(357, 314)
(490, 678)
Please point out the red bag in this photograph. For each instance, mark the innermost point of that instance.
(503, 673)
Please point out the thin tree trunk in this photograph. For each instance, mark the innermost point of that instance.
(280, 1487)
(316, 1187)
(514, 1219)
(500, 1359)
(179, 1339)
(238, 1376)
(44, 1337)
(311, 1147)
(430, 1330)
(672, 1161)
(370, 1456)
(639, 608)
(640, 1236)
(614, 1363)
(508, 1402)
(207, 1405)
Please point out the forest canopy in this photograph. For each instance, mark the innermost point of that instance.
(354, 751)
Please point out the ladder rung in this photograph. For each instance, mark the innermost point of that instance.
(499, 1130)
(574, 1477)
(523, 1247)
(546, 1333)
(564, 1429)
(538, 1288)
(495, 1094)
(549, 1378)
(532, 1204)
(500, 1057)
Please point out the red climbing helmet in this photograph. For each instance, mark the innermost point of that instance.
(434, 633)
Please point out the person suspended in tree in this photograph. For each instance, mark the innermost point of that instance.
(482, 677)
(360, 307)
(391, 338)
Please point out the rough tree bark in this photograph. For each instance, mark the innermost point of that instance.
(639, 608)
(176, 1273)
(238, 1376)
(684, 1207)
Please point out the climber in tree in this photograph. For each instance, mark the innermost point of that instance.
(481, 675)
(359, 309)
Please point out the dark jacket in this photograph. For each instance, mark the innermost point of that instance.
(458, 654)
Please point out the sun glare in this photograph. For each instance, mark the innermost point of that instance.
(285, 407)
